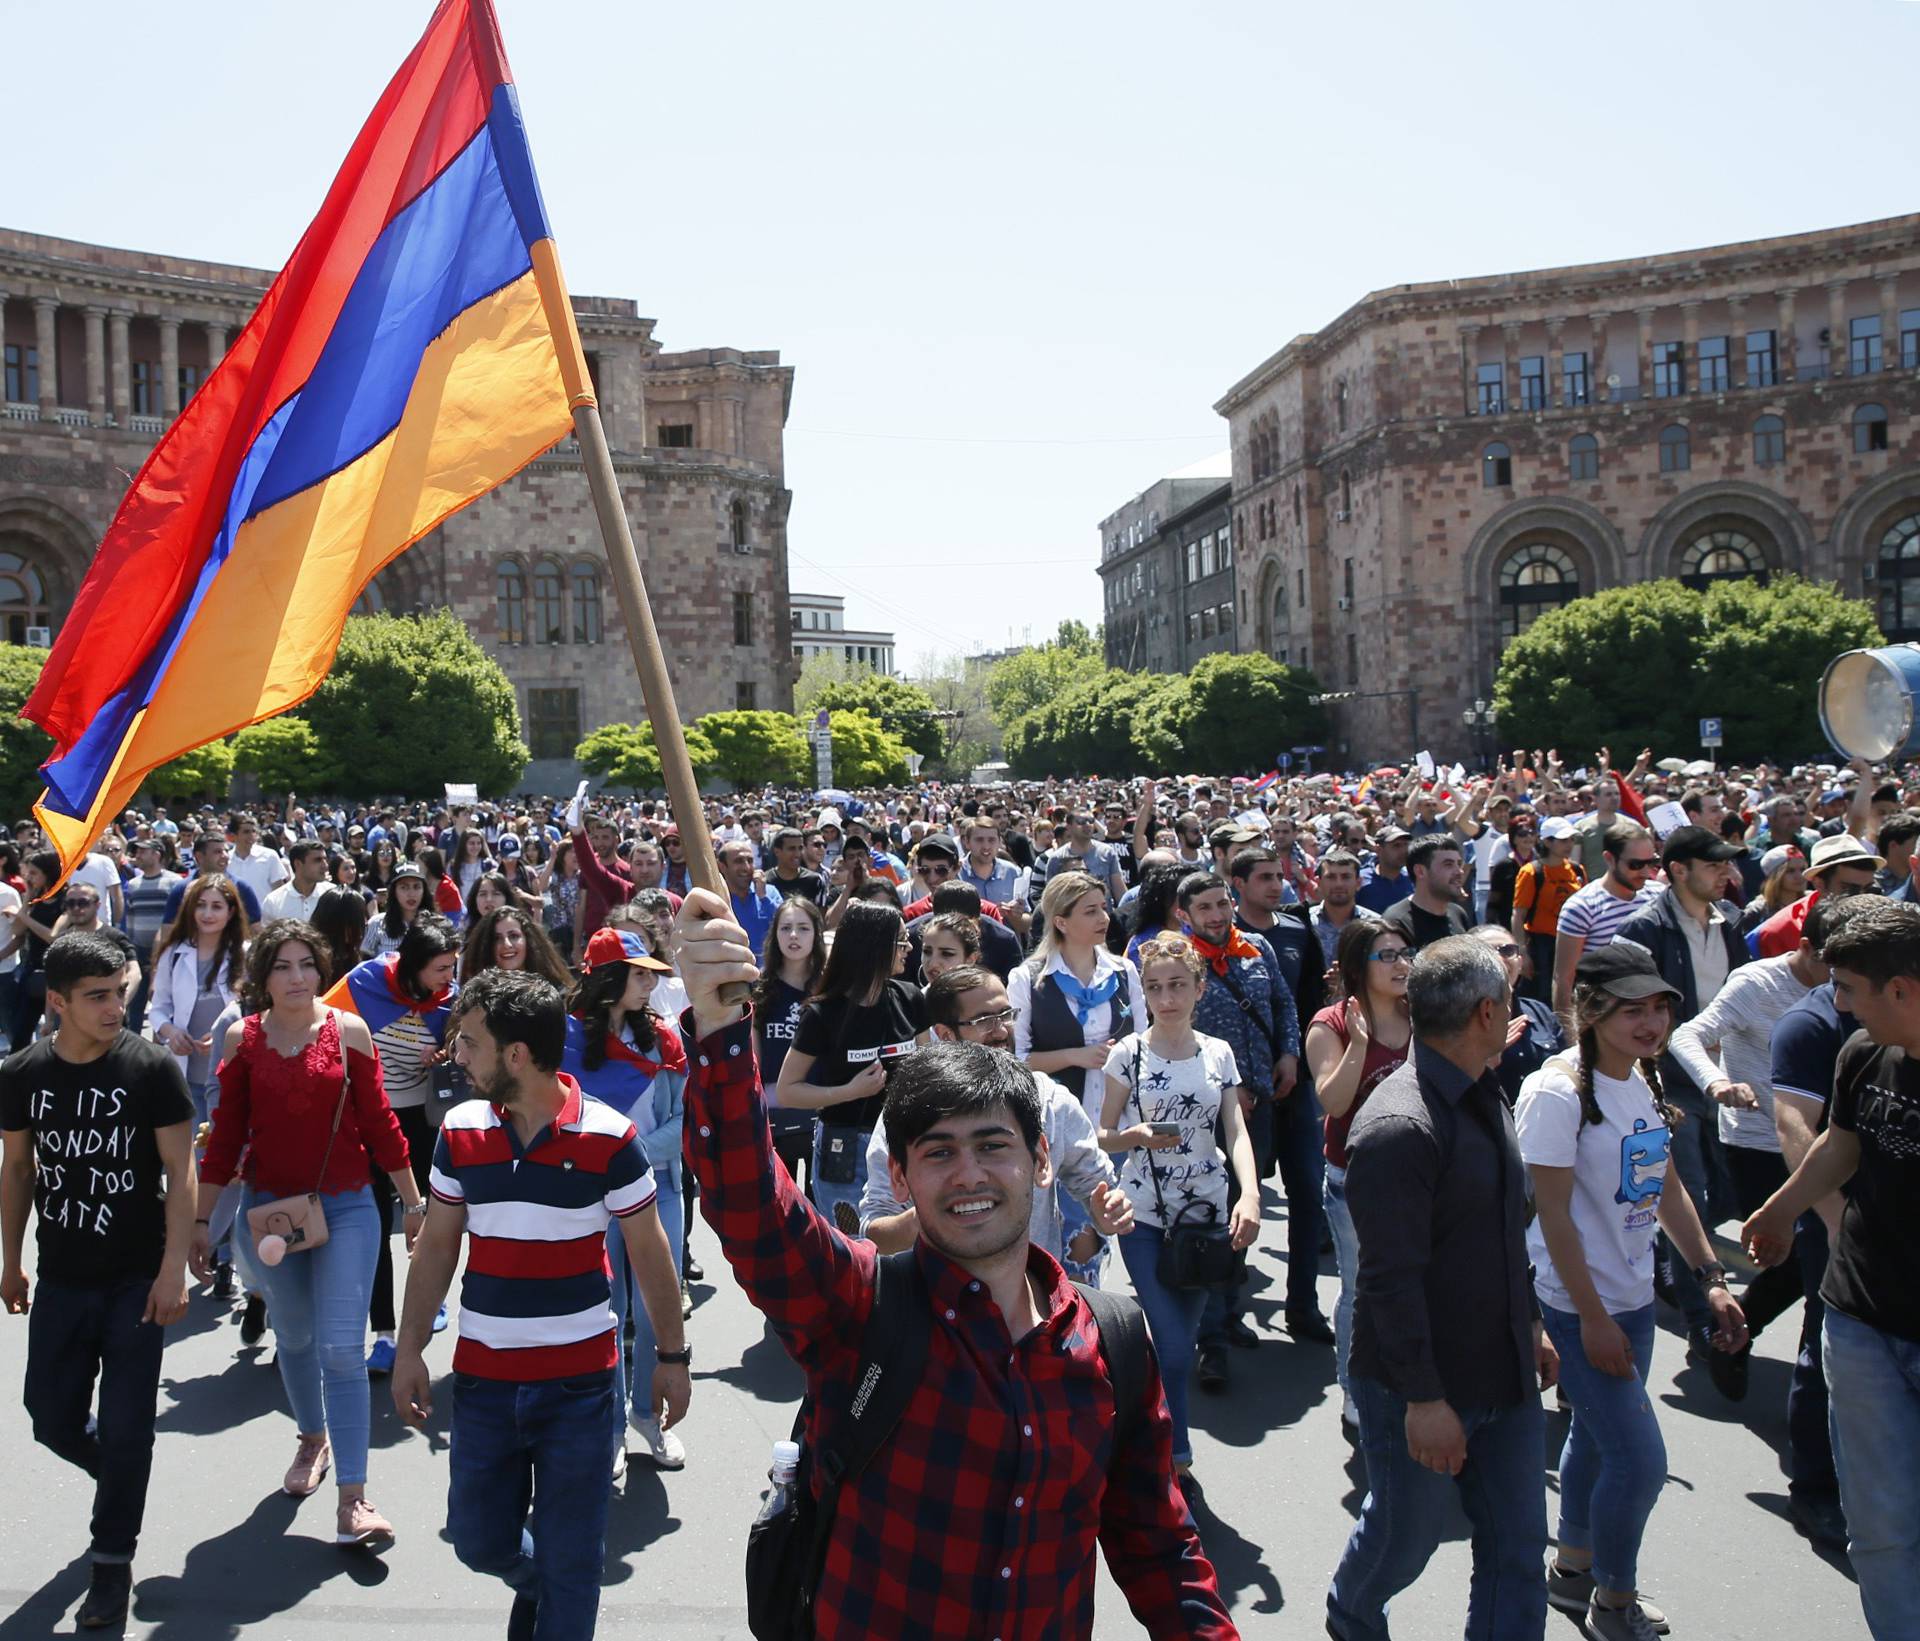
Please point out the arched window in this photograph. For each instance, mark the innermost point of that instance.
(23, 597)
(1535, 577)
(1769, 442)
(739, 524)
(1496, 466)
(586, 604)
(1721, 555)
(1583, 457)
(1900, 580)
(371, 600)
(549, 620)
(1869, 429)
(510, 602)
(1676, 454)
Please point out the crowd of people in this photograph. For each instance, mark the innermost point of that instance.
(1540, 1058)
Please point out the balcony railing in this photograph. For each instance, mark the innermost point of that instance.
(21, 413)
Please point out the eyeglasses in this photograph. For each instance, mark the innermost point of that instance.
(999, 1017)
(80, 903)
(1645, 864)
(904, 945)
(1399, 954)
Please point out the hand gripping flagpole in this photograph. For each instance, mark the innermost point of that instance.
(643, 636)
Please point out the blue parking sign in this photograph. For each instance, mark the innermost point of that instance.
(1709, 733)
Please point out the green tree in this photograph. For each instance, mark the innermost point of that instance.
(413, 702)
(1639, 666)
(905, 710)
(205, 772)
(625, 755)
(1030, 677)
(284, 754)
(957, 687)
(864, 754)
(1114, 723)
(757, 748)
(24, 747)
(1243, 709)
(823, 670)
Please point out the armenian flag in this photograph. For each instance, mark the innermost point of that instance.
(1265, 781)
(417, 350)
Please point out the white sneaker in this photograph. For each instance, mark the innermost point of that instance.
(666, 1449)
(620, 1461)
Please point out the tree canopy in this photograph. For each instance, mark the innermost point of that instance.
(905, 711)
(625, 754)
(24, 747)
(864, 754)
(285, 754)
(757, 748)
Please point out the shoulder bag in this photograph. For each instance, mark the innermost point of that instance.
(300, 1222)
(1195, 1252)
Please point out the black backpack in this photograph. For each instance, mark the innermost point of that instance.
(786, 1555)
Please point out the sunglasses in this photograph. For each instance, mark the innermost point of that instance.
(1646, 864)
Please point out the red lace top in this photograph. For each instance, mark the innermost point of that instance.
(278, 1108)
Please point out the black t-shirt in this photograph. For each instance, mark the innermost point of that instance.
(806, 885)
(774, 1025)
(1873, 1273)
(98, 1186)
(845, 1037)
(1422, 929)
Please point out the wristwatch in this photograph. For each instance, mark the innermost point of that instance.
(412, 1209)
(1711, 1275)
(683, 1357)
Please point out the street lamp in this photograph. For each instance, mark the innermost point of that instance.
(1480, 718)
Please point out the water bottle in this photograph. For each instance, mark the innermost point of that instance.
(786, 1466)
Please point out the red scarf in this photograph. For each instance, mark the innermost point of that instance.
(1238, 945)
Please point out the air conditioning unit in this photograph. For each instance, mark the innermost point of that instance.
(744, 549)
(39, 638)
(1346, 603)
(1341, 516)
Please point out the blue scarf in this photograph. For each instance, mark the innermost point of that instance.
(1085, 999)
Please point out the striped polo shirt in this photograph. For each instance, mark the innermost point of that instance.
(535, 1302)
(1595, 912)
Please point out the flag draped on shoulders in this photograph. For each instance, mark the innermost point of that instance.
(373, 991)
(417, 350)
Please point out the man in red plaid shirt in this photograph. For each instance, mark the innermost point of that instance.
(979, 1515)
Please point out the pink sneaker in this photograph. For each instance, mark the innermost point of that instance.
(359, 1524)
(309, 1468)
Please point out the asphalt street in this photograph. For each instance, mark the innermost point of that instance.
(225, 1554)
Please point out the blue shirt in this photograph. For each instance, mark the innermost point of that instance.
(755, 911)
(1807, 1043)
(1381, 894)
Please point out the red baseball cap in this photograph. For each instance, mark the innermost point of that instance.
(622, 946)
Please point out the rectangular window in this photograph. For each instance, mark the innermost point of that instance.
(1226, 547)
(745, 695)
(1863, 345)
(1353, 658)
(146, 396)
(1763, 359)
(593, 377)
(1206, 622)
(1574, 377)
(1910, 338)
(189, 382)
(23, 374)
(1193, 626)
(1492, 383)
(1711, 365)
(1193, 561)
(1669, 370)
(1348, 582)
(1206, 555)
(743, 618)
(553, 722)
(676, 435)
(1533, 383)
(1302, 599)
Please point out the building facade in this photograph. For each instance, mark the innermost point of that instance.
(1419, 481)
(820, 628)
(104, 346)
(1167, 571)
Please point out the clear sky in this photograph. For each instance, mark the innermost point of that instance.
(1014, 251)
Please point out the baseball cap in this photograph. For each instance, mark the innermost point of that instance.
(1696, 843)
(622, 946)
(1230, 832)
(1623, 968)
(1392, 834)
(1778, 856)
(1834, 794)
(938, 843)
(508, 845)
(406, 868)
(1844, 850)
(1554, 828)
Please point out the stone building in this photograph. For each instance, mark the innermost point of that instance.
(820, 628)
(1417, 482)
(1167, 570)
(103, 346)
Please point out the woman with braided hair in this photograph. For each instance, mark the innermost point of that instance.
(1596, 1135)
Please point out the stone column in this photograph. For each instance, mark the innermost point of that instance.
(1736, 341)
(216, 343)
(703, 424)
(1837, 328)
(1556, 360)
(169, 368)
(117, 320)
(1690, 344)
(96, 363)
(1469, 352)
(46, 338)
(1890, 323)
(1646, 352)
(1597, 359)
(1510, 367)
(1786, 340)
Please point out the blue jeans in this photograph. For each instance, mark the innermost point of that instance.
(1873, 1389)
(1810, 1441)
(1173, 1321)
(527, 1488)
(1615, 1462)
(1346, 1256)
(1503, 1491)
(75, 1334)
(319, 1305)
(825, 1192)
(633, 1376)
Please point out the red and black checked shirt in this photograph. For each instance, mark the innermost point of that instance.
(978, 1518)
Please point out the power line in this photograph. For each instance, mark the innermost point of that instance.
(942, 438)
(904, 617)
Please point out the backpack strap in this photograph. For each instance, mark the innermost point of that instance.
(1123, 1342)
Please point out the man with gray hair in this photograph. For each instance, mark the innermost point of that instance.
(1448, 1353)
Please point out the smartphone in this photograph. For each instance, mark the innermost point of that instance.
(1165, 1130)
